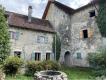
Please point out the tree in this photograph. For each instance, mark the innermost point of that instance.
(4, 36)
(101, 19)
(58, 46)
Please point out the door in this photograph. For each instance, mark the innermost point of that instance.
(67, 58)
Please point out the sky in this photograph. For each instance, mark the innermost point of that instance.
(21, 6)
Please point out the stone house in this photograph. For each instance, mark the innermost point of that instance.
(31, 38)
(77, 29)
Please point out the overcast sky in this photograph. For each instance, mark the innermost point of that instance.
(21, 6)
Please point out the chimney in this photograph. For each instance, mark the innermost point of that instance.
(29, 13)
(51, 0)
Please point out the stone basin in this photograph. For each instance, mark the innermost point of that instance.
(50, 75)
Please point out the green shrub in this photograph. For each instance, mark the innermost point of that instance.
(32, 67)
(11, 65)
(51, 65)
(97, 61)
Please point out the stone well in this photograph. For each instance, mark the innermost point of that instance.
(50, 75)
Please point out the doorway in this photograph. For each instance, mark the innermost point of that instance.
(67, 58)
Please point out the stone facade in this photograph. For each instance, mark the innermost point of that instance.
(27, 44)
(70, 28)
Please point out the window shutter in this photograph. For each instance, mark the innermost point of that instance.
(81, 34)
(79, 56)
(90, 32)
(17, 35)
(38, 39)
(33, 56)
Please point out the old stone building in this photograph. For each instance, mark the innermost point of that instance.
(77, 29)
(31, 38)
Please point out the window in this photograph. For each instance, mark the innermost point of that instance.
(46, 39)
(47, 56)
(79, 56)
(37, 56)
(14, 35)
(17, 53)
(92, 13)
(85, 33)
(42, 39)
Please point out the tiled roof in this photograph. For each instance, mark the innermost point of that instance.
(21, 21)
(59, 5)
(66, 8)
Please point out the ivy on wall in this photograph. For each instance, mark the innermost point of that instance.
(101, 19)
(58, 46)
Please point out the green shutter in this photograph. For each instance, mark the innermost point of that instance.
(79, 56)
(17, 35)
(33, 56)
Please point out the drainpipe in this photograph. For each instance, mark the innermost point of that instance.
(55, 48)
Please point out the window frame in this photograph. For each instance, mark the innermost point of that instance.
(78, 55)
(85, 35)
(48, 56)
(42, 39)
(14, 35)
(17, 53)
(91, 13)
(37, 56)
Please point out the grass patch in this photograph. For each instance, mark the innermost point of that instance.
(77, 73)
(19, 77)
(73, 73)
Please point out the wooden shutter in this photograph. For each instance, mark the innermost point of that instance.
(81, 34)
(90, 32)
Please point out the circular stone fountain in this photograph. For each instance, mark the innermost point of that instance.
(50, 75)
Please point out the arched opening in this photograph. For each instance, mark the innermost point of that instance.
(67, 58)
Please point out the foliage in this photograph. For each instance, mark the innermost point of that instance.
(11, 65)
(19, 77)
(97, 61)
(33, 66)
(101, 19)
(51, 65)
(4, 36)
(78, 73)
(58, 46)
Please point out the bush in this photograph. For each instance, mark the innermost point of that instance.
(97, 61)
(51, 65)
(33, 66)
(11, 65)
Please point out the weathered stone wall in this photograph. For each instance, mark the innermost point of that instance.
(81, 21)
(27, 43)
(58, 18)
(69, 28)
(62, 24)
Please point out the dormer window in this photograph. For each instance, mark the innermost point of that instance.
(92, 13)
